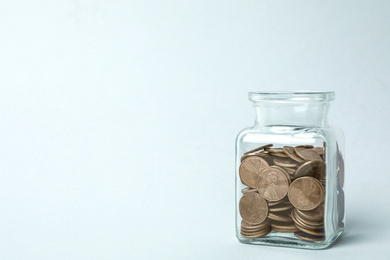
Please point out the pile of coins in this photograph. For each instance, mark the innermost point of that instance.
(285, 191)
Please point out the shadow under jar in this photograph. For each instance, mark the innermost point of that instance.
(290, 172)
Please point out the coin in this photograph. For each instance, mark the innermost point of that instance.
(245, 225)
(285, 162)
(250, 169)
(273, 203)
(248, 190)
(280, 217)
(291, 172)
(253, 208)
(310, 224)
(273, 183)
(274, 150)
(290, 152)
(281, 207)
(317, 232)
(278, 169)
(315, 169)
(289, 228)
(307, 146)
(308, 237)
(307, 154)
(314, 230)
(306, 193)
(258, 230)
(319, 171)
(314, 214)
(247, 155)
(279, 155)
(258, 234)
(319, 150)
(284, 172)
(253, 231)
(262, 155)
(259, 148)
(266, 157)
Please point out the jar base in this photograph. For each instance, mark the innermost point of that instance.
(290, 240)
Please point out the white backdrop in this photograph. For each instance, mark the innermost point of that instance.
(118, 120)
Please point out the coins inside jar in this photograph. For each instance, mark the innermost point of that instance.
(250, 169)
(253, 208)
(273, 183)
(285, 191)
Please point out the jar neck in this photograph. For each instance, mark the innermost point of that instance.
(281, 113)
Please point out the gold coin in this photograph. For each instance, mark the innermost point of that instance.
(273, 183)
(315, 169)
(250, 169)
(290, 152)
(248, 190)
(306, 193)
(253, 208)
(259, 148)
(308, 237)
(307, 154)
(285, 162)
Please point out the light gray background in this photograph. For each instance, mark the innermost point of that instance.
(118, 120)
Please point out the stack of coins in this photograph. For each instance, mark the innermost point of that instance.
(254, 211)
(285, 191)
(255, 231)
(310, 222)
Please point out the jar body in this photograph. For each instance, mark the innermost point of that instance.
(289, 188)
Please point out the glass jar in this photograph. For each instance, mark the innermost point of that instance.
(290, 172)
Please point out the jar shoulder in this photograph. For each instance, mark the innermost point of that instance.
(329, 134)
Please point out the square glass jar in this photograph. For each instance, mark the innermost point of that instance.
(290, 172)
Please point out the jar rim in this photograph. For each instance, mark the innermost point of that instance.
(295, 96)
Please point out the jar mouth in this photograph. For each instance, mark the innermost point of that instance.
(295, 96)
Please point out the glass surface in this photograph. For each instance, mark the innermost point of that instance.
(311, 180)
